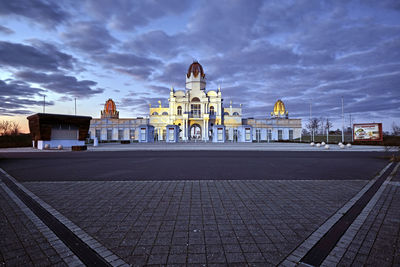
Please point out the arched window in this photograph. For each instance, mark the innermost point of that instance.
(154, 113)
(212, 111)
(179, 110)
(165, 113)
(235, 114)
(195, 99)
(226, 113)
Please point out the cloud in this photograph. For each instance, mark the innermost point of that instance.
(61, 83)
(124, 15)
(89, 36)
(137, 66)
(17, 97)
(39, 55)
(6, 30)
(47, 13)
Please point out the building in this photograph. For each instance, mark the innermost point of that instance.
(53, 130)
(109, 127)
(197, 112)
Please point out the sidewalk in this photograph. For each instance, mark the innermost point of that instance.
(162, 146)
(208, 222)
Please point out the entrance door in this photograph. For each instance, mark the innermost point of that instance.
(195, 132)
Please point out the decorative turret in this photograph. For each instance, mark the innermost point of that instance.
(110, 110)
(195, 77)
(279, 110)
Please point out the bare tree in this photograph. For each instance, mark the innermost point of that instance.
(313, 125)
(328, 124)
(9, 128)
(395, 129)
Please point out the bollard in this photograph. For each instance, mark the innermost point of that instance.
(326, 146)
(60, 147)
(323, 143)
(312, 144)
(95, 142)
(349, 145)
(318, 145)
(47, 146)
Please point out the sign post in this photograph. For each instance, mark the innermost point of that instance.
(367, 132)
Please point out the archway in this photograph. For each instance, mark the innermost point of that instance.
(195, 132)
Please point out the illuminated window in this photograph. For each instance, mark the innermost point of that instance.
(165, 113)
(179, 110)
(226, 113)
(235, 114)
(154, 113)
(212, 111)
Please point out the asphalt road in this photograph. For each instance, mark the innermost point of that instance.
(191, 165)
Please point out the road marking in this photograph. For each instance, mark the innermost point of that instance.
(311, 241)
(63, 251)
(88, 249)
(337, 253)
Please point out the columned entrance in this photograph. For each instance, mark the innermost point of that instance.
(195, 132)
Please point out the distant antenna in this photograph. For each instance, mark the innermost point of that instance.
(75, 106)
(44, 104)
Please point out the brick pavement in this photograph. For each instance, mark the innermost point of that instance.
(21, 243)
(377, 243)
(198, 222)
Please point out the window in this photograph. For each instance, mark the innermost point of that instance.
(290, 134)
(195, 99)
(195, 110)
(269, 134)
(132, 134)
(258, 135)
(212, 111)
(247, 134)
(171, 134)
(164, 134)
(279, 134)
(226, 134)
(120, 134)
(98, 134)
(109, 134)
(154, 113)
(235, 135)
(226, 113)
(143, 134)
(165, 113)
(219, 134)
(235, 114)
(180, 111)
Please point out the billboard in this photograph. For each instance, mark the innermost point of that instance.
(367, 132)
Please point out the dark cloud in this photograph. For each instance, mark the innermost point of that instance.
(40, 55)
(48, 13)
(5, 30)
(89, 36)
(17, 97)
(61, 84)
(138, 67)
(126, 15)
(156, 43)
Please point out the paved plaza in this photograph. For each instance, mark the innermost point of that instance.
(272, 216)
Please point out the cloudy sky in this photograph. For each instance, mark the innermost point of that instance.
(258, 51)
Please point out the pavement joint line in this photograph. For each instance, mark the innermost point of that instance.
(61, 218)
(324, 228)
(359, 221)
(47, 233)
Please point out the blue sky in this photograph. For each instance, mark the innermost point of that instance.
(258, 51)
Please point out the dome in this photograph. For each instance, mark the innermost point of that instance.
(279, 109)
(110, 107)
(110, 110)
(196, 69)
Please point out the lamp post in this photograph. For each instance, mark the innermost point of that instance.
(342, 121)
(44, 104)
